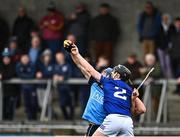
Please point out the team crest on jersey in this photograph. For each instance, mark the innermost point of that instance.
(64, 68)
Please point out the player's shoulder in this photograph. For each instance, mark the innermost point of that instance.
(96, 86)
(125, 85)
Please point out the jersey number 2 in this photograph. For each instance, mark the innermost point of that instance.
(120, 94)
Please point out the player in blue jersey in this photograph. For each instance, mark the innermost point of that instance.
(94, 112)
(117, 99)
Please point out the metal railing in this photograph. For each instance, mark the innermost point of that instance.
(162, 109)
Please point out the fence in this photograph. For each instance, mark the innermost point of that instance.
(162, 109)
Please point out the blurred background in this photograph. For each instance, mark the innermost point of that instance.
(42, 92)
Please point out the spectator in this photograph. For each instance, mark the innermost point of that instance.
(52, 28)
(26, 70)
(62, 71)
(134, 66)
(78, 24)
(44, 71)
(10, 92)
(104, 33)
(103, 61)
(45, 67)
(4, 35)
(35, 50)
(175, 50)
(14, 50)
(163, 45)
(22, 28)
(149, 23)
(150, 61)
(34, 32)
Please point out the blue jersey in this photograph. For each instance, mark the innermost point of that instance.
(94, 111)
(117, 96)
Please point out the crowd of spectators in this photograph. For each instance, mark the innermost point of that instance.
(159, 35)
(34, 50)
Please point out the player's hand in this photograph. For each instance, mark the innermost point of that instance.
(74, 50)
(135, 94)
(39, 75)
(68, 45)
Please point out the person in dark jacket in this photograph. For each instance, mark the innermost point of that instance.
(175, 50)
(163, 45)
(104, 32)
(134, 66)
(10, 92)
(45, 70)
(22, 27)
(78, 24)
(5, 33)
(45, 66)
(149, 23)
(62, 71)
(149, 62)
(26, 70)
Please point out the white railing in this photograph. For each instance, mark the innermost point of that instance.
(146, 98)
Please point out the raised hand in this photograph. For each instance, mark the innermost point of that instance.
(68, 45)
(135, 94)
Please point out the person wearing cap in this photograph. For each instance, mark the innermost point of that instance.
(120, 100)
(26, 70)
(45, 70)
(14, 49)
(10, 92)
(62, 71)
(45, 66)
(51, 26)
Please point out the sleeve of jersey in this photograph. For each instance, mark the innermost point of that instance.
(103, 80)
(91, 80)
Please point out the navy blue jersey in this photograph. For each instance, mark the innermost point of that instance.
(47, 70)
(117, 96)
(63, 70)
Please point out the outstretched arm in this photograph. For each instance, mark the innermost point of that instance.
(83, 65)
(82, 69)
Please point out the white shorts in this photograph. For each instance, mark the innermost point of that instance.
(117, 125)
